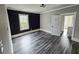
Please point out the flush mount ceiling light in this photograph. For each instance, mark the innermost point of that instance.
(43, 5)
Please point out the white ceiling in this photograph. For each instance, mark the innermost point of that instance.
(35, 7)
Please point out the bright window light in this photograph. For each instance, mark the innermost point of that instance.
(24, 23)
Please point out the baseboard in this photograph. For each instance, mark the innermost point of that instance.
(49, 32)
(17, 35)
(46, 31)
(75, 39)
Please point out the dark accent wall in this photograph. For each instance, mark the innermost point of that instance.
(34, 21)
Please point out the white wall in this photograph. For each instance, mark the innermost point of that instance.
(77, 26)
(62, 23)
(5, 34)
(45, 19)
(45, 22)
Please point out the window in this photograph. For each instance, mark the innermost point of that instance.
(23, 19)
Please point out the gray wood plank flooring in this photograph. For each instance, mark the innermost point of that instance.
(40, 42)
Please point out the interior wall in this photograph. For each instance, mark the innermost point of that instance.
(76, 30)
(5, 34)
(33, 18)
(45, 19)
(45, 22)
(62, 23)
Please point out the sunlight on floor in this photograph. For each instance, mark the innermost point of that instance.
(65, 32)
(65, 40)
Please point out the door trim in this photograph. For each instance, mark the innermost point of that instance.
(74, 20)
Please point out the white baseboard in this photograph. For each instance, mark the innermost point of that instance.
(75, 39)
(20, 34)
(46, 31)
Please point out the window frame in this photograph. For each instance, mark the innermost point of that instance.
(27, 20)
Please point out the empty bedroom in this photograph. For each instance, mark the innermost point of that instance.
(39, 28)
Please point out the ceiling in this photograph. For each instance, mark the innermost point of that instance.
(35, 8)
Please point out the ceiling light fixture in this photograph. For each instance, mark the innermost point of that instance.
(43, 5)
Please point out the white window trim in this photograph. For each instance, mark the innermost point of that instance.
(27, 20)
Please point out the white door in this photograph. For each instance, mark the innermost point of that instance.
(56, 25)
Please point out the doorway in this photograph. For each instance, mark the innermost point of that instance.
(68, 24)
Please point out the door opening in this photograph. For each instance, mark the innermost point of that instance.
(68, 25)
